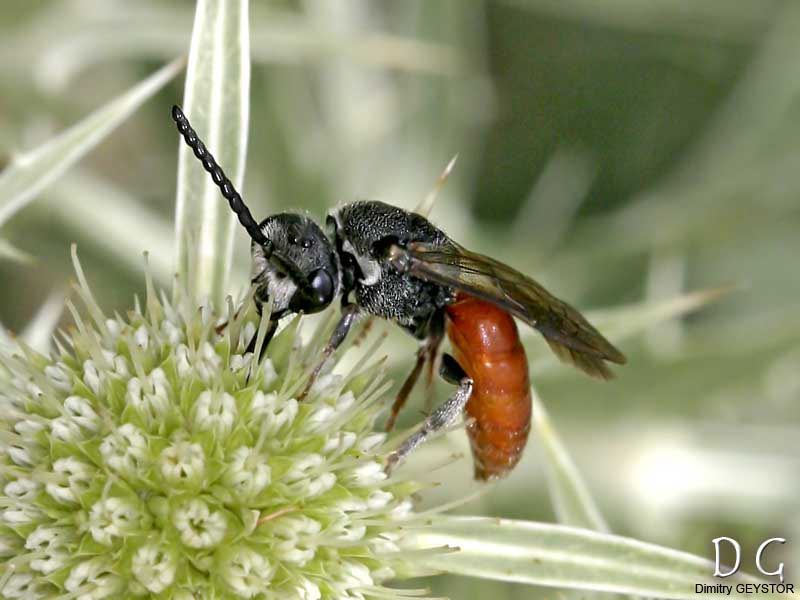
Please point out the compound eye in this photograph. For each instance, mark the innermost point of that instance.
(322, 287)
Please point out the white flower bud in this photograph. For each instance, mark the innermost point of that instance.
(125, 450)
(303, 466)
(365, 475)
(93, 578)
(114, 328)
(44, 537)
(296, 538)
(153, 568)
(59, 376)
(198, 526)
(214, 411)
(271, 414)
(33, 390)
(307, 477)
(183, 362)
(142, 337)
(346, 530)
(319, 419)
(18, 586)
(386, 543)
(21, 489)
(344, 402)
(183, 462)
(370, 442)
(121, 366)
(338, 443)
(307, 590)
(50, 562)
(248, 472)
(240, 361)
(150, 395)
(247, 572)
(401, 511)
(354, 575)
(49, 546)
(378, 499)
(81, 412)
(351, 505)
(205, 362)
(313, 486)
(21, 455)
(77, 475)
(268, 372)
(383, 546)
(173, 334)
(91, 377)
(21, 514)
(65, 429)
(113, 517)
(28, 428)
(326, 384)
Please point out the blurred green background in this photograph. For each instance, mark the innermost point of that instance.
(622, 152)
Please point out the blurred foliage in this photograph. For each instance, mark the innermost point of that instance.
(620, 152)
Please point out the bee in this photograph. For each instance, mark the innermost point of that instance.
(387, 262)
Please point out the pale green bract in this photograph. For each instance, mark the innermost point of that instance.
(152, 455)
(30, 173)
(570, 557)
(216, 99)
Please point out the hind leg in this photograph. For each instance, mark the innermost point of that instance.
(444, 415)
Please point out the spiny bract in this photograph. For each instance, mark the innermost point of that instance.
(152, 456)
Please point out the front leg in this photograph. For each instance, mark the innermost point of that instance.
(271, 329)
(349, 316)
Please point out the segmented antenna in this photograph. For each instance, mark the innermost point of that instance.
(219, 177)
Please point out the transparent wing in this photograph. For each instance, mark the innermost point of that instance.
(571, 337)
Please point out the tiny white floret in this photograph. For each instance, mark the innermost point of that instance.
(198, 526)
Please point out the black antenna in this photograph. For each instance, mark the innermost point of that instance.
(219, 177)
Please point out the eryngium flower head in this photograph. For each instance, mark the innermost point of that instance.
(151, 455)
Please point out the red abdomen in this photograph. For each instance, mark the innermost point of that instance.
(486, 344)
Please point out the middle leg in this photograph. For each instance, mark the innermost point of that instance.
(431, 333)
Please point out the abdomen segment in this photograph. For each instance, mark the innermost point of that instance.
(486, 344)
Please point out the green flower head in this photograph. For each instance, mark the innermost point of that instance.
(152, 456)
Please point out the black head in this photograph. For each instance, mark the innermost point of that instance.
(294, 264)
(300, 272)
